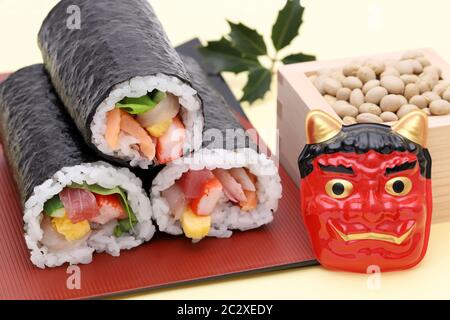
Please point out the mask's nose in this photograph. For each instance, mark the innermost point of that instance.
(372, 204)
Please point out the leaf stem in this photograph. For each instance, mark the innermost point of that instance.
(274, 61)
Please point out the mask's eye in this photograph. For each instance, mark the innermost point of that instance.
(399, 186)
(339, 188)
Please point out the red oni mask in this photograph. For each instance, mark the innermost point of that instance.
(366, 192)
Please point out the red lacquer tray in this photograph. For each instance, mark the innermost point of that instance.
(164, 261)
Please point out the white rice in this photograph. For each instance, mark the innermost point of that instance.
(137, 87)
(227, 216)
(107, 176)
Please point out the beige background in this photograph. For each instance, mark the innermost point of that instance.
(332, 29)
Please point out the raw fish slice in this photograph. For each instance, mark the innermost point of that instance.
(232, 189)
(240, 175)
(79, 204)
(192, 181)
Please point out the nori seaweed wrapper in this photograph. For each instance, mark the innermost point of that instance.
(117, 40)
(218, 116)
(38, 136)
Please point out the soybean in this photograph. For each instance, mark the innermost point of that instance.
(369, 108)
(393, 84)
(405, 67)
(349, 120)
(357, 98)
(420, 101)
(368, 118)
(376, 65)
(331, 86)
(411, 90)
(390, 71)
(409, 78)
(366, 74)
(369, 85)
(388, 116)
(343, 94)
(391, 102)
(330, 99)
(375, 95)
(352, 82)
(441, 87)
(350, 69)
(343, 109)
(431, 96)
(440, 107)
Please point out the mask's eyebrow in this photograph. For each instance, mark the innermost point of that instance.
(403, 167)
(336, 169)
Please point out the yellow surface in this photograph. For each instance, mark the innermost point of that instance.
(194, 226)
(332, 29)
(159, 129)
(429, 280)
(71, 231)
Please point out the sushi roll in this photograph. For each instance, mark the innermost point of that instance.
(73, 204)
(122, 81)
(227, 185)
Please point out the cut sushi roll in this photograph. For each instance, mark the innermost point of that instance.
(227, 185)
(122, 82)
(73, 203)
(215, 191)
(86, 208)
(148, 126)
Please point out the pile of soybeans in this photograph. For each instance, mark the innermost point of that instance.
(377, 91)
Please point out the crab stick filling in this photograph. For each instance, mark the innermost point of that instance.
(153, 120)
(194, 197)
(70, 216)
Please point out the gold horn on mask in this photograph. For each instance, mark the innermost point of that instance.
(320, 127)
(414, 127)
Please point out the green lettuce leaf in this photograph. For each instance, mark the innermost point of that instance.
(124, 225)
(142, 104)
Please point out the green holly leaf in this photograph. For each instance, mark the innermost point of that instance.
(299, 57)
(247, 40)
(287, 24)
(258, 84)
(224, 57)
